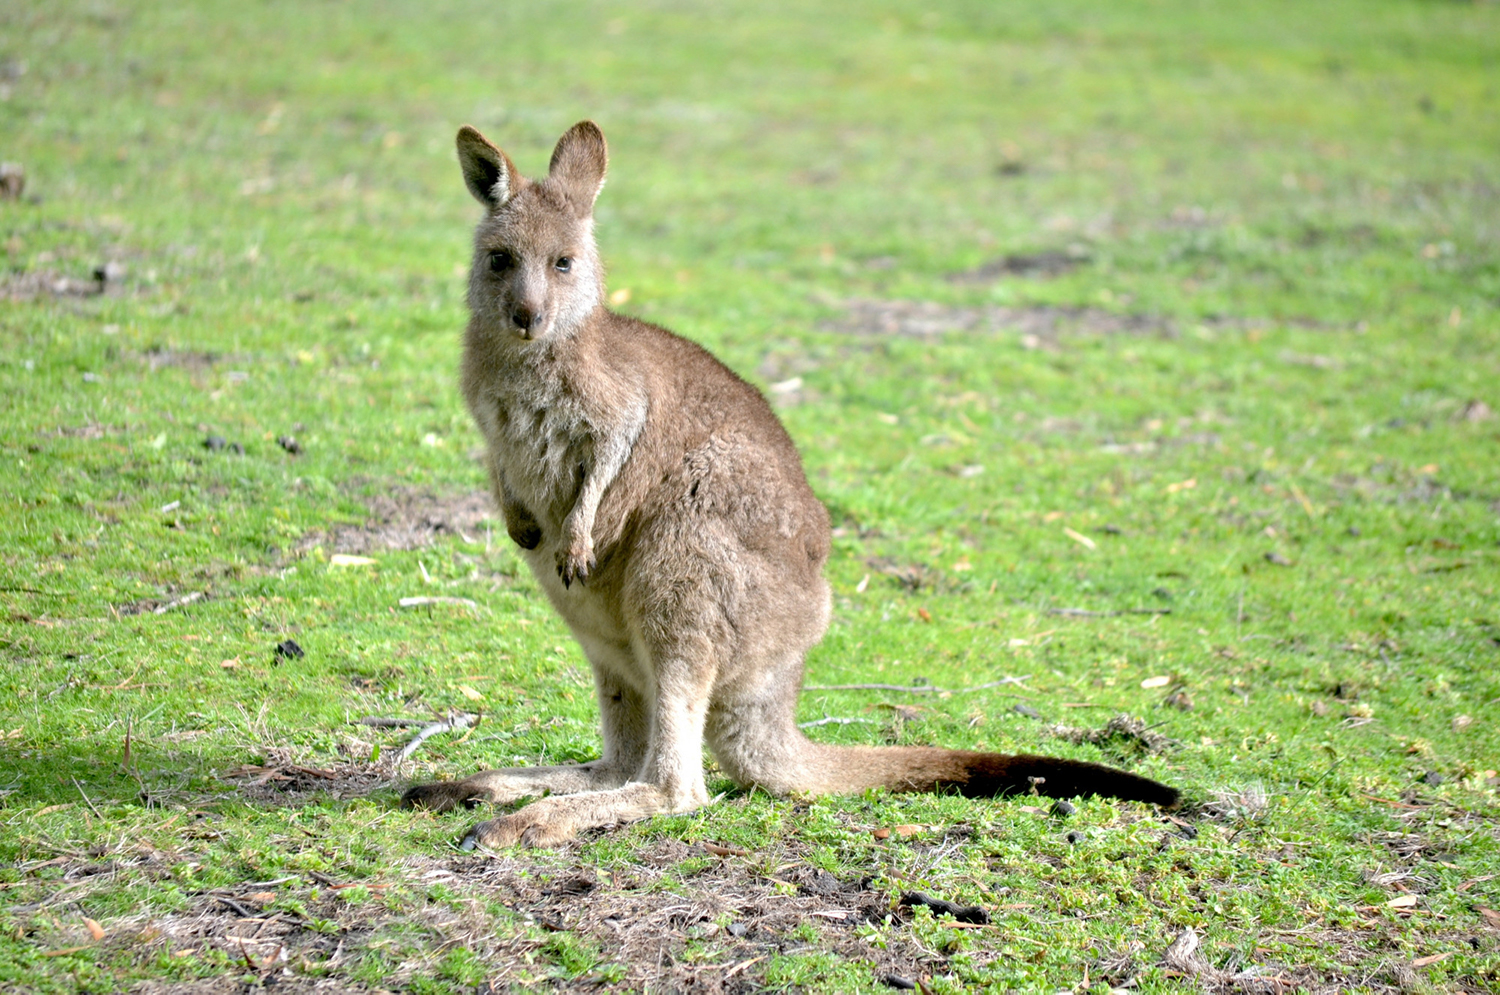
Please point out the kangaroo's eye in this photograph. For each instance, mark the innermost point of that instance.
(500, 262)
(563, 264)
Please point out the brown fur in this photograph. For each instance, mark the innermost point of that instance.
(665, 512)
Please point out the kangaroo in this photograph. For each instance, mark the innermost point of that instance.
(664, 511)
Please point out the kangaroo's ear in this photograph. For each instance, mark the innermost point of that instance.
(489, 173)
(578, 165)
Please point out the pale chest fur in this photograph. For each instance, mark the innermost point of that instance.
(541, 439)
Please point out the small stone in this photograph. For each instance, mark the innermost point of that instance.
(1062, 808)
(1476, 411)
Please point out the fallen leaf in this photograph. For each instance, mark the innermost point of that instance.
(1080, 538)
(65, 950)
(724, 851)
(926, 615)
(786, 386)
(1490, 916)
(864, 583)
(470, 693)
(349, 560)
(1431, 959)
(618, 297)
(1156, 682)
(881, 834)
(1402, 902)
(1182, 485)
(95, 930)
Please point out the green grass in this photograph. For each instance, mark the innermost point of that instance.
(1299, 204)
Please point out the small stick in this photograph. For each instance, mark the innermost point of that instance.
(915, 688)
(236, 908)
(832, 720)
(186, 599)
(1085, 613)
(742, 965)
(427, 732)
(86, 797)
(427, 602)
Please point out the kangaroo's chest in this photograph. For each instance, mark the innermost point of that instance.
(542, 442)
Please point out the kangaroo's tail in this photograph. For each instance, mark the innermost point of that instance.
(827, 769)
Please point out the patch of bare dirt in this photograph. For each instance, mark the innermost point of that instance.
(158, 357)
(409, 519)
(911, 576)
(1123, 734)
(234, 984)
(89, 431)
(281, 780)
(1369, 960)
(1036, 264)
(1045, 324)
(31, 284)
(644, 918)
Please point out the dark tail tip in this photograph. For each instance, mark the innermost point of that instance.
(994, 774)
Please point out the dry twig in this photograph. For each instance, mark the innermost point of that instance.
(427, 602)
(452, 724)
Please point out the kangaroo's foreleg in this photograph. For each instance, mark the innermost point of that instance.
(575, 561)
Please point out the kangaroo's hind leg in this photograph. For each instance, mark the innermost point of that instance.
(682, 636)
(624, 720)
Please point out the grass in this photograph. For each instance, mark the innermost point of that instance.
(1257, 394)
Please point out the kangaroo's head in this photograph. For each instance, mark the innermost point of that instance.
(536, 272)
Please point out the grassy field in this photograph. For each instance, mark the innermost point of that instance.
(1145, 352)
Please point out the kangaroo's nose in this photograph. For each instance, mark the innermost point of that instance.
(523, 317)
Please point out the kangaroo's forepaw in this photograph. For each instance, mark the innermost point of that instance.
(443, 796)
(519, 827)
(576, 562)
